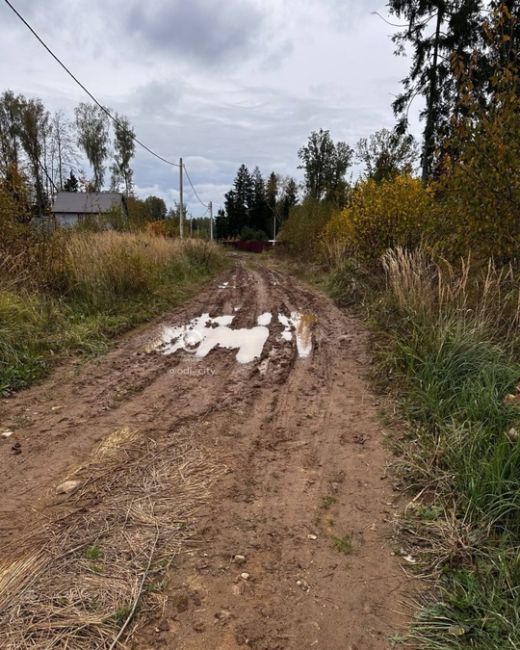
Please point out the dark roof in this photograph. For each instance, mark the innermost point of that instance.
(86, 202)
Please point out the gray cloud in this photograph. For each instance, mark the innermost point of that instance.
(219, 82)
(208, 32)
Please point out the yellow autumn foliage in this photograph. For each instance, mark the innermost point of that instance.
(394, 212)
(478, 207)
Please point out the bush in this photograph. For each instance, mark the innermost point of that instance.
(479, 191)
(384, 215)
(303, 229)
(250, 234)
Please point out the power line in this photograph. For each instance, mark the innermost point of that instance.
(194, 190)
(84, 88)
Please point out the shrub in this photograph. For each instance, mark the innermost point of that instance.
(303, 229)
(479, 191)
(384, 215)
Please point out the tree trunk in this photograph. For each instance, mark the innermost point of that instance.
(429, 130)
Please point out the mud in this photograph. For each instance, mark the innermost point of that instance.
(293, 548)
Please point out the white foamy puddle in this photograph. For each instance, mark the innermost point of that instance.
(265, 318)
(203, 334)
(302, 325)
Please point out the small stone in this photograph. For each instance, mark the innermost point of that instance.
(6, 434)
(245, 576)
(240, 559)
(311, 536)
(223, 616)
(67, 487)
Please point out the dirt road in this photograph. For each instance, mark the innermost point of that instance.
(233, 504)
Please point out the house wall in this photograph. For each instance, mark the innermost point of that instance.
(66, 219)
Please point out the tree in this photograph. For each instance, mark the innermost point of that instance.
(437, 31)
(325, 165)
(387, 154)
(62, 153)
(124, 151)
(34, 125)
(222, 230)
(71, 184)
(93, 138)
(238, 201)
(259, 210)
(289, 197)
(271, 190)
(155, 208)
(10, 110)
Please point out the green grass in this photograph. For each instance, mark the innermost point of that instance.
(342, 544)
(92, 553)
(134, 280)
(452, 379)
(327, 502)
(450, 371)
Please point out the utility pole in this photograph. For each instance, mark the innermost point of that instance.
(211, 220)
(181, 206)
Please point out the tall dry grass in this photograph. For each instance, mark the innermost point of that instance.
(484, 297)
(73, 290)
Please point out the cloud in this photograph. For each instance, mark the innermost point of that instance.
(219, 82)
(208, 32)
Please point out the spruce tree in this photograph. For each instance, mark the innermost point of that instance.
(437, 30)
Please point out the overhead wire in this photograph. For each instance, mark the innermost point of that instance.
(205, 205)
(85, 89)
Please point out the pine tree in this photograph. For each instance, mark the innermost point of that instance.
(289, 197)
(437, 30)
(71, 184)
(259, 209)
(272, 186)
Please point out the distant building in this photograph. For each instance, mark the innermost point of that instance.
(70, 208)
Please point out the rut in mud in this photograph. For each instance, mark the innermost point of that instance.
(239, 504)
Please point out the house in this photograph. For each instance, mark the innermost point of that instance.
(71, 208)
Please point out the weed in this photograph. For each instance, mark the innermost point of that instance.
(92, 553)
(120, 615)
(327, 502)
(342, 544)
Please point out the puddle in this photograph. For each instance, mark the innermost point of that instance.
(302, 324)
(265, 318)
(205, 333)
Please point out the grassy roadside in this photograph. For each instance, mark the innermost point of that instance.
(97, 286)
(447, 352)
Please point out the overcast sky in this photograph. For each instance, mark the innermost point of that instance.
(219, 82)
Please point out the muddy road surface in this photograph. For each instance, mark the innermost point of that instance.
(217, 481)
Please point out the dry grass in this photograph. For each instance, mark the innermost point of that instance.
(99, 267)
(486, 297)
(76, 582)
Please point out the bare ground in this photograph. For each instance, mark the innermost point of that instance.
(181, 465)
